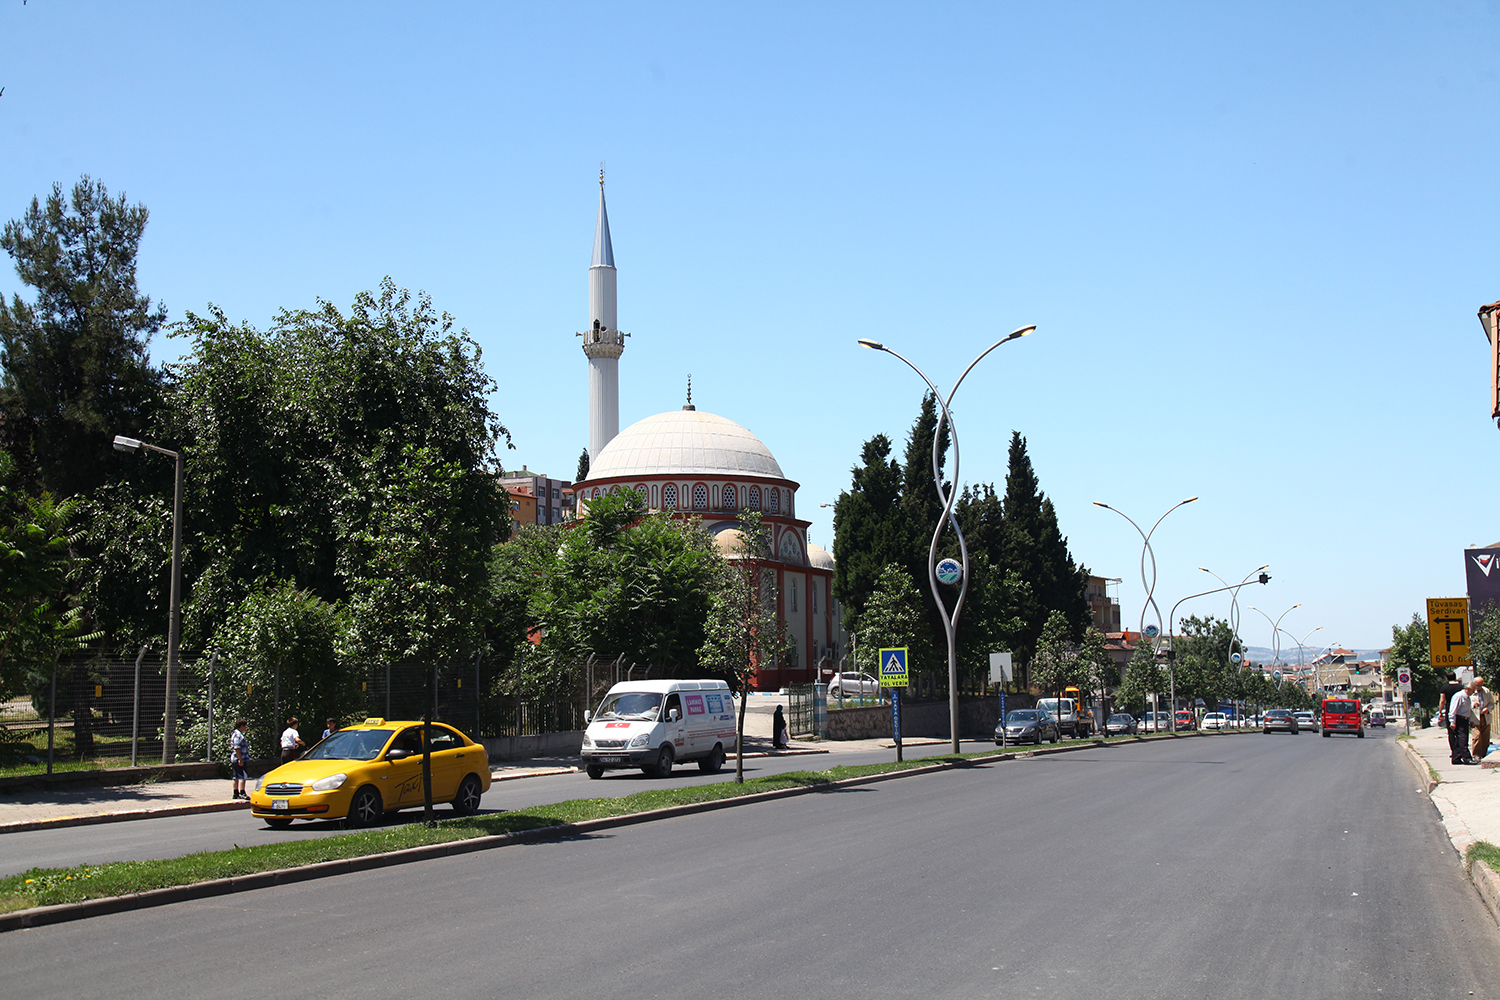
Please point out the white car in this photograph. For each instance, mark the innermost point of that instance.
(853, 685)
(1305, 720)
(1215, 720)
(1153, 722)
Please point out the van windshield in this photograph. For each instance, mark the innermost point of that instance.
(630, 705)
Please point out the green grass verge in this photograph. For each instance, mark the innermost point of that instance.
(49, 886)
(1483, 850)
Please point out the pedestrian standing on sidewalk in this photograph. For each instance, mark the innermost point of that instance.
(291, 741)
(778, 730)
(239, 757)
(1445, 695)
(1482, 701)
(1460, 719)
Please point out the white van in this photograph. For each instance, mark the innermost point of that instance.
(654, 724)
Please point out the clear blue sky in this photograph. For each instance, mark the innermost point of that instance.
(1253, 240)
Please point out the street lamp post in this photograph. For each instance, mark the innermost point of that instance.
(1150, 586)
(174, 603)
(1276, 629)
(948, 496)
(1172, 645)
(1234, 610)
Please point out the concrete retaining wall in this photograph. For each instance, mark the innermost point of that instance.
(976, 719)
(527, 747)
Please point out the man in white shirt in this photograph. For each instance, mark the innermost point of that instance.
(291, 741)
(1460, 717)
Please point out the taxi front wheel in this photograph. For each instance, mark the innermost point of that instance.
(466, 802)
(364, 808)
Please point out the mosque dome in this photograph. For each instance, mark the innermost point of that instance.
(818, 557)
(684, 442)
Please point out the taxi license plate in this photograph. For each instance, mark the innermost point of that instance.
(278, 805)
(609, 760)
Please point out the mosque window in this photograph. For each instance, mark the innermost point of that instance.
(775, 501)
(700, 497)
(731, 498)
(669, 496)
(812, 596)
(754, 502)
(792, 593)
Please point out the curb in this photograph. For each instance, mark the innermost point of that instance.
(1419, 764)
(58, 822)
(1488, 883)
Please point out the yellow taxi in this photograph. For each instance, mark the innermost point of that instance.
(362, 772)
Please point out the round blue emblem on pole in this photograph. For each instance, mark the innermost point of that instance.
(949, 571)
(1152, 631)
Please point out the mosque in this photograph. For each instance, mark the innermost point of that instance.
(707, 466)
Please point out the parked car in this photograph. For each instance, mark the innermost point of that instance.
(363, 772)
(1153, 722)
(1027, 725)
(1279, 720)
(1186, 720)
(1305, 720)
(1120, 724)
(1341, 715)
(1215, 720)
(853, 685)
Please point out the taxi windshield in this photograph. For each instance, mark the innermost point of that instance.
(350, 744)
(630, 705)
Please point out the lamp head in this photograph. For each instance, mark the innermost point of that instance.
(123, 443)
(873, 345)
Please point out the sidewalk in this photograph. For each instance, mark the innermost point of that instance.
(1467, 799)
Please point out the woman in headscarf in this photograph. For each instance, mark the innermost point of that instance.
(778, 730)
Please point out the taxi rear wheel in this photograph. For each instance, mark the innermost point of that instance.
(466, 802)
(364, 808)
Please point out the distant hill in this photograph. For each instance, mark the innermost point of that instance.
(1262, 654)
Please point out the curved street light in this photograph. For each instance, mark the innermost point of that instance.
(1234, 601)
(948, 496)
(1150, 586)
(1276, 629)
(1172, 646)
(174, 602)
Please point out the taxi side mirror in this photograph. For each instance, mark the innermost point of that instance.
(398, 755)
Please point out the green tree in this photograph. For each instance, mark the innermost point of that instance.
(1056, 664)
(629, 581)
(895, 616)
(75, 363)
(40, 570)
(1143, 677)
(743, 629)
(583, 467)
(1409, 649)
(868, 534)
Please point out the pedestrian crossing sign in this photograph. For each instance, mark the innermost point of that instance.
(893, 668)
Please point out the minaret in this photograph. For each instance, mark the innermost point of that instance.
(603, 342)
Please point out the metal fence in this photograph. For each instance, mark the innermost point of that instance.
(115, 711)
(108, 711)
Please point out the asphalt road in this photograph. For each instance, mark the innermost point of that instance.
(1265, 867)
(175, 836)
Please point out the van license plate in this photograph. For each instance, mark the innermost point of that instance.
(609, 760)
(278, 804)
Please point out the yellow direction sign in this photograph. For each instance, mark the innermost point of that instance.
(1448, 631)
(893, 673)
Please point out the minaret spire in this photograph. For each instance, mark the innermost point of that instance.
(690, 405)
(603, 342)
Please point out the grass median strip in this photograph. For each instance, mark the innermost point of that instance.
(50, 886)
